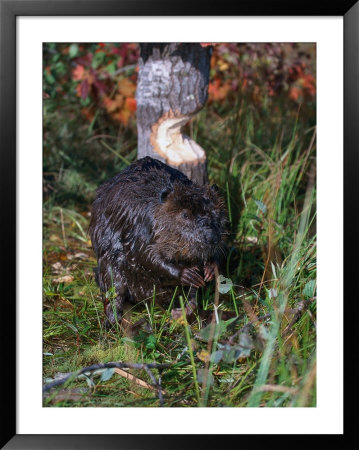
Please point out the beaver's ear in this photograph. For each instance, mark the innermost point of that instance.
(215, 188)
(164, 195)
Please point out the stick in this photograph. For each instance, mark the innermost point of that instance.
(110, 365)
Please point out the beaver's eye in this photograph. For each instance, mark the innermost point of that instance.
(185, 215)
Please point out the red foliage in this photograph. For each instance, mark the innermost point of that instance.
(260, 71)
(96, 72)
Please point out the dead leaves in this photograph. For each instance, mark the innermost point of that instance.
(63, 279)
(78, 255)
(58, 268)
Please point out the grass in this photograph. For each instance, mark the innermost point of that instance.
(264, 162)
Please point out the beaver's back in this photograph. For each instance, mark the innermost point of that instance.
(124, 208)
(148, 175)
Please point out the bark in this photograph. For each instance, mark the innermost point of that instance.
(172, 88)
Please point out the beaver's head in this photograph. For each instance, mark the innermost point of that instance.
(190, 222)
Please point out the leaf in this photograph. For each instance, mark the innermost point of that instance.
(223, 66)
(64, 279)
(216, 356)
(73, 50)
(261, 206)
(211, 330)
(245, 345)
(57, 267)
(203, 375)
(294, 93)
(111, 68)
(89, 382)
(55, 238)
(203, 355)
(224, 284)
(98, 59)
(131, 104)
(219, 328)
(78, 255)
(229, 354)
(151, 342)
(126, 87)
(49, 77)
(107, 374)
(241, 350)
(78, 73)
(309, 289)
(217, 90)
(48, 380)
(272, 293)
(110, 105)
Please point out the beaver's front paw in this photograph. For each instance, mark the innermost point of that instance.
(210, 271)
(190, 276)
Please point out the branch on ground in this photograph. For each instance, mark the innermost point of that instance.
(119, 365)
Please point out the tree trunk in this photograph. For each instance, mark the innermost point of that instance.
(172, 87)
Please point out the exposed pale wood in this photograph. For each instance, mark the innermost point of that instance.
(172, 88)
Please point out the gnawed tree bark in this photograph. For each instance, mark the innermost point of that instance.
(172, 87)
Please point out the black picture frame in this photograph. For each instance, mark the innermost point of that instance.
(9, 10)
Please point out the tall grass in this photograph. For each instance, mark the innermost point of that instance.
(265, 164)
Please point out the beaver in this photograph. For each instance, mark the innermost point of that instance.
(154, 229)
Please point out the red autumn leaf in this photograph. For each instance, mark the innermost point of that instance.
(126, 109)
(308, 83)
(126, 87)
(131, 104)
(294, 93)
(218, 91)
(109, 104)
(78, 72)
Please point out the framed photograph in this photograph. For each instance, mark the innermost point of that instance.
(228, 142)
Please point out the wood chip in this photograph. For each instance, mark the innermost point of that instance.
(131, 377)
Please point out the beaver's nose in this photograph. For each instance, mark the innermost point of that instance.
(212, 237)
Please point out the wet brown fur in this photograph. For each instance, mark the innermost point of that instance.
(149, 224)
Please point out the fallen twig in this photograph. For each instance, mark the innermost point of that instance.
(110, 365)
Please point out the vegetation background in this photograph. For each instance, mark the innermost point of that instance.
(258, 129)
